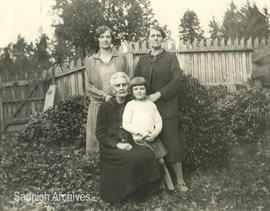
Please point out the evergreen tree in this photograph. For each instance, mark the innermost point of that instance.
(41, 57)
(62, 49)
(21, 57)
(214, 29)
(253, 22)
(6, 63)
(231, 22)
(246, 22)
(189, 27)
(21, 54)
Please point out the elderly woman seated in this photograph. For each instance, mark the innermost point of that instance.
(124, 166)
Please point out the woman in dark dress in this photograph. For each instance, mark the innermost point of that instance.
(163, 75)
(124, 166)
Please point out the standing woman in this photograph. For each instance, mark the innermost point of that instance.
(162, 73)
(98, 70)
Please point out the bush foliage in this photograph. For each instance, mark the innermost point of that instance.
(213, 120)
(63, 124)
(201, 123)
(246, 113)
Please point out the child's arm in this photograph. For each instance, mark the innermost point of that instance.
(158, 122)
(127, 119)
(157, 126)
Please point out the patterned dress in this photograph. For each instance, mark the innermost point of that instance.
(97, 82)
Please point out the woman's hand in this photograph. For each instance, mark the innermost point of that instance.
(150, 137)
(107, 98)
(124, 146)
(144, 133)
(155, 97)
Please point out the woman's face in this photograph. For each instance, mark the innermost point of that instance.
(155, 39)
(105, 40)
(120, 87)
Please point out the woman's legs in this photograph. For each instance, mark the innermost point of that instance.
(177, 168)
(167, 176)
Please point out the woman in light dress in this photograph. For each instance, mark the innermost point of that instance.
(98, 70)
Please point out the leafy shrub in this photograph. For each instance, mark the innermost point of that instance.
(213, 120)
(62, 124)
(246, 113)
(199, 118)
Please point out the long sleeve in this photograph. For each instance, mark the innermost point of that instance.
(127, 62)
(103, 127)
(138, 70)
(158, 122)
(127, 119)
(171, 89)
(91, 89)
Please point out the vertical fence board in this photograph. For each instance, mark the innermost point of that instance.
(223, 68)
(80, 83)
(245, 75)
(195, 71)
(1, 109)
(203, 67)
(240, 62)
(236, 69)
(209, 67)
(199, 56)
(231, 66)
(216, 70)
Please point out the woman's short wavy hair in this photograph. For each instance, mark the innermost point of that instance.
(101, 30)
(118, 75)
(158, 28)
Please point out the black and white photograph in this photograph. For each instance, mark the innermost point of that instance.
(134, 105)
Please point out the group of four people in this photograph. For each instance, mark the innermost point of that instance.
(138, 135)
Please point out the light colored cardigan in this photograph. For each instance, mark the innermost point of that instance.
(93, 81)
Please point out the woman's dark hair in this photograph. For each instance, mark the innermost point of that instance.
(101, 30)
(158, 28)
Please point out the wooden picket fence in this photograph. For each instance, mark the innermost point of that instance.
(212, 62)
(70, 80)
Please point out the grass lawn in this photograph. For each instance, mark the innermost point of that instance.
(240, 183)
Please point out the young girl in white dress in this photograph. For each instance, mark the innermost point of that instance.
(142, 119)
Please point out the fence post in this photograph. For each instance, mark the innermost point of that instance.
(130, 64)
(2, 126)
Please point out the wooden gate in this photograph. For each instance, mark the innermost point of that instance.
(19, 100)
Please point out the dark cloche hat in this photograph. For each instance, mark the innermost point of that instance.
(138, 81)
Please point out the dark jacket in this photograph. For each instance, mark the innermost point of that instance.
(163, 74)
(109, 129)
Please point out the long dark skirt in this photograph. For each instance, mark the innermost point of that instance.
(121, 172)
(174, 140)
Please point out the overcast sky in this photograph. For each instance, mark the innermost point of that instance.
(29, 17)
